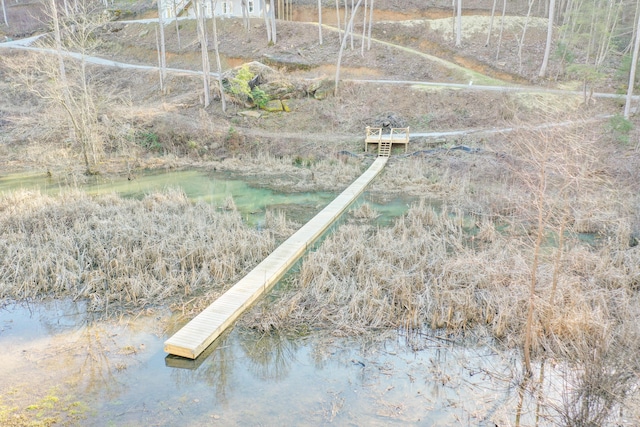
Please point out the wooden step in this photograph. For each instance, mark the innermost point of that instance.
(384, 149)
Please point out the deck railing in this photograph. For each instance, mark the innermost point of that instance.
(374, 135)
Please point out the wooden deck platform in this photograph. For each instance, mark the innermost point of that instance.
(386, 140)
(200, 332)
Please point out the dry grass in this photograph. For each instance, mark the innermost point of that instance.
(466, 262)
(122, 254)
(427, 271)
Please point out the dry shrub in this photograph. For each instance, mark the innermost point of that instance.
(121, 254)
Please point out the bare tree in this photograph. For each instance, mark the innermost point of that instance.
(4, 14)
(632, 73)
(175, 19)
(370, 23)
(320, 21)
(217, 53)
(493, 14)
(346, 9)
(338, 18)
(58, 39)
(504, 12)
(547, 48)
(245, 15)
(72, 92)
(459, 24)
(267, 19)
(348, 29)
(556, 168)
(524, 33)
(162, 53)
(272, 21)
(364, 27)
(202, 38)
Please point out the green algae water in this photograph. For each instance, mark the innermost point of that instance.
(252, 201)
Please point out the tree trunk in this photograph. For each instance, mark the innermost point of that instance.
(632, 73)
(493, 14)
(160, 76)
(267, 20)
(351, 32)
(245, 15)
(274, 37)
(364, 28)
(223, 101)
(348, 28)
(175, 13)
(58, 41)
(338, 18)
(629, 47)
(202, 37)
(547, 48)
(4, 14)
(524, 33)
(162, 53)
(606, 38)
(320, 21)
(459, 24)
(504, 11)
(370, 24)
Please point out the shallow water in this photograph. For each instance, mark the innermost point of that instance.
(118, 374)
(252, 201)
(58, 363)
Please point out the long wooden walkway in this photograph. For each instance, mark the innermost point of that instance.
(200, 332)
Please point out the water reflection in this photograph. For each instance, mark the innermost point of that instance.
(270, 355)
(403, 378)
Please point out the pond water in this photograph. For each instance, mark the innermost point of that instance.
(56, 363)
(59, 364)
(252, 199)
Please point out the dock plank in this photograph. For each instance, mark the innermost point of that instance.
(194, 337)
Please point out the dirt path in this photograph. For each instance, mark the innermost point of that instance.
(497, 86)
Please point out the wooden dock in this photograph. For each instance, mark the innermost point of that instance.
(200, 332)
(386, 140)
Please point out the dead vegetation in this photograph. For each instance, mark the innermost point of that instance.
(123, 255)
(544, 223)
(536, 248)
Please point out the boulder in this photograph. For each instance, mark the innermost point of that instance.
(250, 113)
(273, 106)
(321, 88)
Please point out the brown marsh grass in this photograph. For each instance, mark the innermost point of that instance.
(122, 254)
(468, 262)
(542, 222)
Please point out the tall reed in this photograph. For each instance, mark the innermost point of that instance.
(122, 254)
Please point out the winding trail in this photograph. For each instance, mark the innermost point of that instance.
(495, 86)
